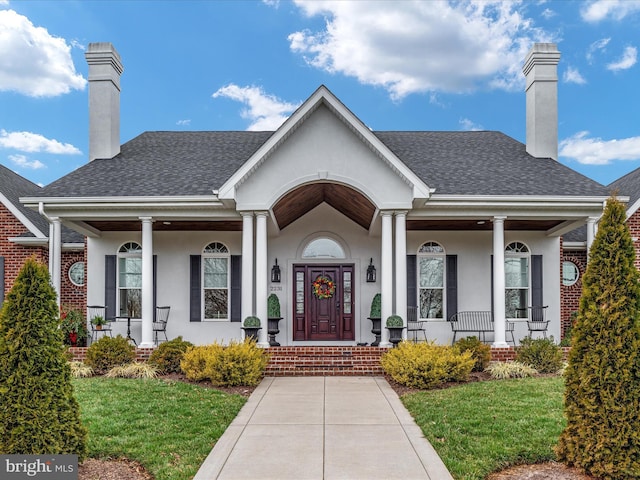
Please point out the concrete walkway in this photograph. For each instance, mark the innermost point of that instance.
(329, 428)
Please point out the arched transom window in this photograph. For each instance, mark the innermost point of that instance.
(215, 281)
(516, 268)
(323, 247)
(130, 280)
(431, 258)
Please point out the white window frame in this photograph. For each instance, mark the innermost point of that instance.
(216, 250)
(577, 271)
(129, 250)
(431, 250)
(518, 250)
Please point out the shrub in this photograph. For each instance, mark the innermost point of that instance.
(239, 363)
(168, 355)
(72, 321)
(251, 322)
(80, 370)
(133, 370)
(376, 305)
(603, 376)
(481, 353)
(395, 321)
(542, 354)
(38, 412)
(273, 306)
(109, 352)
(426, 365)
(504, 370)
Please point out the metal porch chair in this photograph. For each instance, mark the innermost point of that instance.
(537, 320)
(160, 323)
(97, 314)
(415, 326)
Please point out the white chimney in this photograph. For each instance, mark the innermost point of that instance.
(105, 69)
(541, 72)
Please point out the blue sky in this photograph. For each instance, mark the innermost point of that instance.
(246, 65)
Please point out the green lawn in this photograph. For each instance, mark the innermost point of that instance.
(169, 427)
(481, 427)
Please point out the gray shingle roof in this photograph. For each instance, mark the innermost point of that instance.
(14, 186)
(195, 163)
(629, 185)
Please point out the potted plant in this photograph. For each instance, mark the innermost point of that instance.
(98, 321)
(395, 325)
(73, 326)
(273, 314)
(374, 316)
(251, 325)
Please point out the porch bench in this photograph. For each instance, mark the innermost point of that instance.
(479, 322)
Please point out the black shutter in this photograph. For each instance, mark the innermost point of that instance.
(1, 280)
(536, 281)
(236, 288)
(412, 291)
(492, 286)
(155, 285)
(194, 289)
(452, 286)
(110, 286)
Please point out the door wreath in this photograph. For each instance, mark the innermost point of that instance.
(323, 287)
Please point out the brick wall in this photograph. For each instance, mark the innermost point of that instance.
(634, 227)
(15, 256)
(570, 296)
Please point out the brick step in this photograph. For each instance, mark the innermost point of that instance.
(330, 361)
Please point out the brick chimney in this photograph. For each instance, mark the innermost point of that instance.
(541, 72)
(105, 69)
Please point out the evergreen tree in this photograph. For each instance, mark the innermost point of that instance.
(38, 412)
(602, 396)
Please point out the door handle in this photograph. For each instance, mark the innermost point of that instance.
(337, 304)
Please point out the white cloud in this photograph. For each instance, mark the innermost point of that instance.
(24, 162)
(185, 122)
(417, 46)
(33, 62)
(629, 59)
(467, 124)
(34, 142)
(266, 112)
(548, 13)
(598, 10)
(595, 151)
(597, 46)
(572, 75)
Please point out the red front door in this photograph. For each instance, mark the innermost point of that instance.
(323, 299)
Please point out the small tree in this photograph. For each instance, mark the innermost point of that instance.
(38, 412)
(602, 396)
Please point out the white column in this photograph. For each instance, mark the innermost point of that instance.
(246, 307)
(499, 322)
(261, 276)
(55, 255)
(591, 233)
(386, 276)
(147, 283)
(401, 267)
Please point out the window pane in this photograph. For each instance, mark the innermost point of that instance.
(430, 303)
(570, 273)
(215, 272)
(300, 292)
(516, 299)
(130, 272)
(131, 303)
(215, 303)
(323, 248)
(431, 247)
(431, 272)
(517, 272)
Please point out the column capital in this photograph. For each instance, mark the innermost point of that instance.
(401, 213)
(386, 213)
(499, 218)
(261, 213)
(146, 219)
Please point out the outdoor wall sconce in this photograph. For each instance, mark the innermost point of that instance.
(371, 272)
(275, 273)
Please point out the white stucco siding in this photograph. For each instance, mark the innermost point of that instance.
(173, 250)
(323, 149)
(474, 250)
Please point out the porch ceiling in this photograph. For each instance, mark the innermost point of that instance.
(446, 224)
(167, 226)
(303, 199)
